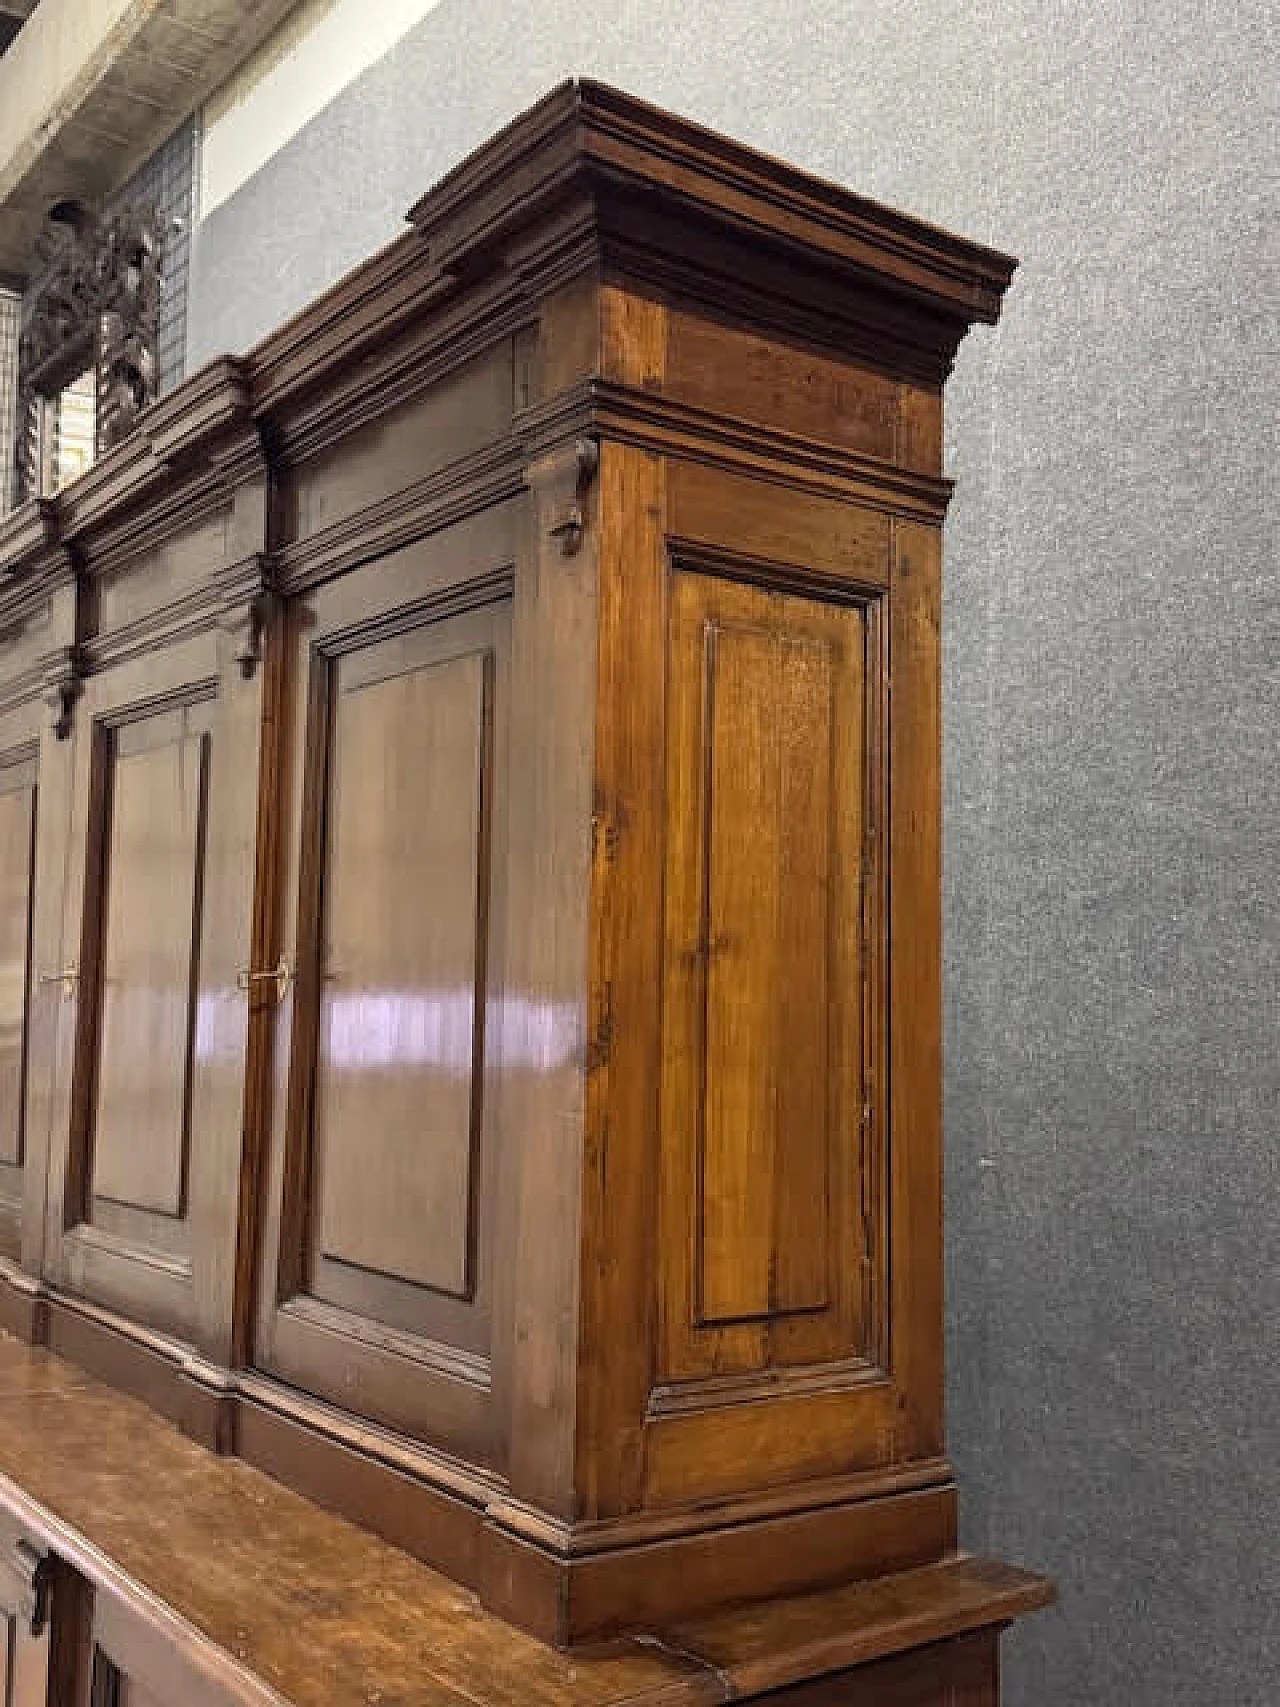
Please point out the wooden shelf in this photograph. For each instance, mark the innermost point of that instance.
(322, 1612)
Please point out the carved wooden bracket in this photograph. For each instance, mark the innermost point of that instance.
(62, 689)
(569, 478)
(35, 1573)
(248, 600)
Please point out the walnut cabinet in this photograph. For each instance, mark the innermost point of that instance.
(469, 885)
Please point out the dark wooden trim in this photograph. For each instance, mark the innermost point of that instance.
(70, 1636)
(803, 464)
(24, 1305)
(576, 1600)
(475, 483)
(137, 1362)
(437, 1526)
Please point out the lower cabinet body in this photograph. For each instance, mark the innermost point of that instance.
(26, 1656)
(964, 1672)
(111, 1688)
(961, 1673)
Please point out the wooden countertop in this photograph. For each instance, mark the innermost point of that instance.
(324, 1613)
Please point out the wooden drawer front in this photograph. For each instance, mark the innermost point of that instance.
(377, 1293)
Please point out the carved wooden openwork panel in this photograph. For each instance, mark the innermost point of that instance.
(88, 347)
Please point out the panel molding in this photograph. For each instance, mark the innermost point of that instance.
(492, 475)
(848, 1330)
(696, 1394)
(490, 588)
(184, 714)
(451, 1362)
(86, 1236)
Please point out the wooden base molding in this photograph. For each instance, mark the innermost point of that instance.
(566, 1583)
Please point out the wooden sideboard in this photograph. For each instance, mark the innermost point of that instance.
(469, 906)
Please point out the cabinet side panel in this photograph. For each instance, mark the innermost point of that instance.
(762, 1213)
(760, 1245)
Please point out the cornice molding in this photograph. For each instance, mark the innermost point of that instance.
(202, 433)
(589, 180)
(658, 185)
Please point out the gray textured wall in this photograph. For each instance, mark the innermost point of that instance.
(1112, 691)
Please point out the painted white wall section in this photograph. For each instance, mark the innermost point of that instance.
(313, 56)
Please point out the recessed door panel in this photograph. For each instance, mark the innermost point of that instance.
(769, 1186)
(150, 952)
(764, 937)
(148, 1089)
(17, 843)
(399, 1076)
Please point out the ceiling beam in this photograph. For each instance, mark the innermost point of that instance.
(89, 89)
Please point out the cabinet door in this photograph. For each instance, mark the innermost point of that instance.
(144, 1165)
(17, 890)
(377, 1285)
(25, 1657)
(34, 777)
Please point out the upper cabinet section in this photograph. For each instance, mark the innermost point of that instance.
(589, 185)
(470, 1018)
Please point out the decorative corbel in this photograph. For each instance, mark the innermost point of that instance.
(248, 600)
(62, 689)
(567, 478)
